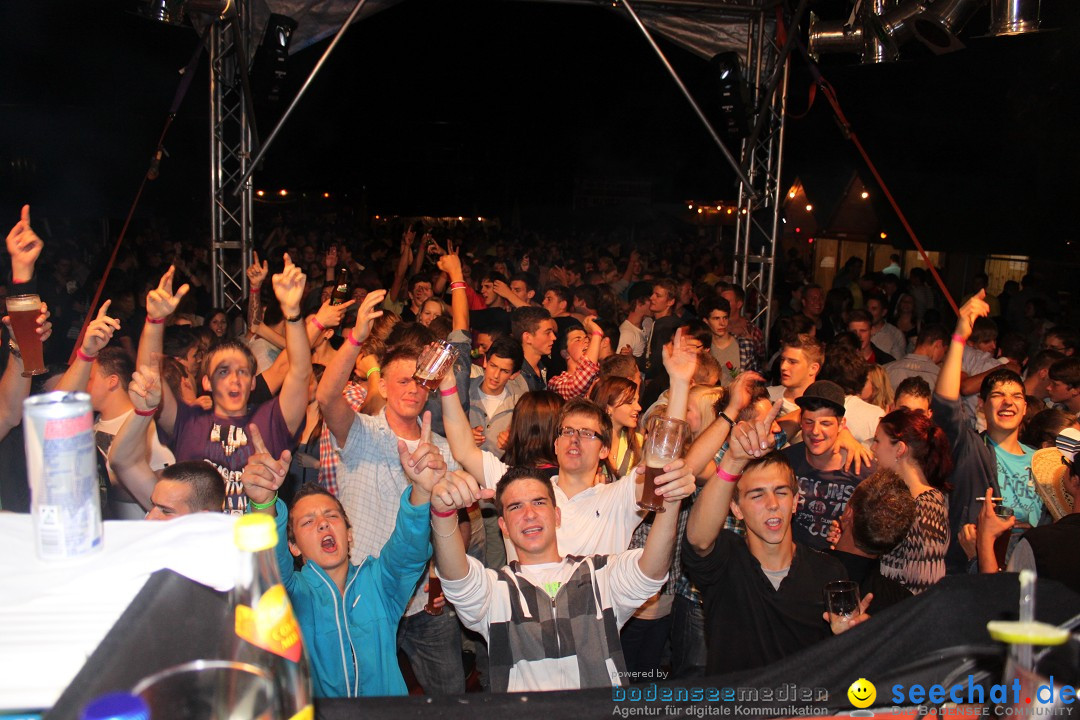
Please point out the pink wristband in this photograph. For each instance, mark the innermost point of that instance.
(84, 357)
(146, 413)
(957, 337)
(448, 513)
(726, 476)
(448, 392)
(352, 339)
(316, 323)
(155, 321)
(18, 282)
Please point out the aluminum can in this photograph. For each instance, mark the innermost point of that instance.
(61, 465)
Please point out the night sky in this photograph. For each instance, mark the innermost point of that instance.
(479, 107)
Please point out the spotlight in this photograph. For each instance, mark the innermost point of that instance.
(727, 71)
(864, 194)
(272, 57)
(809, 207)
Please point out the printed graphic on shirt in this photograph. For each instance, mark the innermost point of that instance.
(820, 502)
(552, 588)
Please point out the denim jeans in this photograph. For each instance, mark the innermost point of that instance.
(433, 645)
(687, 639)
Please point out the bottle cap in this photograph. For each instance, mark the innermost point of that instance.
(255, 532)
(117, 706)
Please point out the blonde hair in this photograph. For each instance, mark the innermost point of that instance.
(883, 392)
(704, 398)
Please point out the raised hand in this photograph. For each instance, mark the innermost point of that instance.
(100, 331)
(450, 263)
(263, 474)
(407, 239)
(681, 361)
(145, 388)
(331, 257)
(367, 314)
(289, 287)
(257, 273)
(590, 325)
(975, 308)
(457, 490)
(740, 392)
(753, 439)
(502, 289)
(24, 247)
(425, 466)
(161, 302)
(330, 316)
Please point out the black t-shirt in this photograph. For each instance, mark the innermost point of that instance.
(748, 624)
(823, 496)
(867, 572)
(663, 330)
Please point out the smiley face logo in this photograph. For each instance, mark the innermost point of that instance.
(862, 693)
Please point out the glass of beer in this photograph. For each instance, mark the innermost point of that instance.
(24, 311)
(434, 362)
(663, 444)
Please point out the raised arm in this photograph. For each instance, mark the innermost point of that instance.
(14, 388)
(711, 508)
(680, 363)
(948, 382)
(129, 454)
(161, 302)
(655, 560)
(256, 275)
(457, 490)
(503, 290)
(24, 246)
(289, 290)
(328, 316)
(335, 409)
(98, 334)
(701, 454)
(450, 263)
(459, 432)
(403, 264)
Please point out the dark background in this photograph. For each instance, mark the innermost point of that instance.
(488, 107)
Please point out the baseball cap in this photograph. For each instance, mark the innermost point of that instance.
(824, 390)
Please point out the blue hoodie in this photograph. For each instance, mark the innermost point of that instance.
(352, 640)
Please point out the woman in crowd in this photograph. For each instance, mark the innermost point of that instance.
(530, 441)
(908, 443)
(619, 398)
(218, 321)
(878, 390)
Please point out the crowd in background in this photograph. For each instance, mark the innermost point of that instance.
(870, 435)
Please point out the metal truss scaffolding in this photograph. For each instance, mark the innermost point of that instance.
(230, 153)
(757, 232)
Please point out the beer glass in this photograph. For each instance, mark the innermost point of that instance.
(663, 444)
(841, 601)
(434, 362)
(24, 311)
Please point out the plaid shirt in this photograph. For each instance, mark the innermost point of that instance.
(355, 394)
(748, 357)
(757, 338)
(372, 481)
(575, 384)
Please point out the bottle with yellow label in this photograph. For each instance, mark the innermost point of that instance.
(267, 633)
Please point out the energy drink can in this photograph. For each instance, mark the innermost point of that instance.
(61, 465)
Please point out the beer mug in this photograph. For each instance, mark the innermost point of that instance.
(434, 362)
(663, 444)
(24, 311)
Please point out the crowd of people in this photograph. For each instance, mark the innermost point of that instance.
(490, 529)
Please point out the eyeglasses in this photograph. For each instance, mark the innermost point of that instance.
(583, 433)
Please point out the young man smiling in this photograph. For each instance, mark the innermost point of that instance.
(219, 435)
(596, 517)
(762, 593)
(493, 395)
(551, 620)
(824, 485)
(995, 459)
